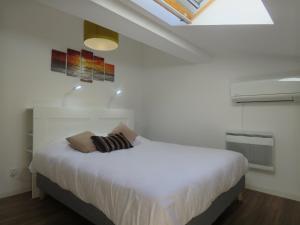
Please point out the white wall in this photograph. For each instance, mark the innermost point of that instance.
(173, 101)
(28, 32)
(190, 104)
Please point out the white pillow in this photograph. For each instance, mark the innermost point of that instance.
(140, 140)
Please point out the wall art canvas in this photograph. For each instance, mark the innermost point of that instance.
(82, 64)
(109, 72)
(87, 63)
(73, 63)
(58, 61)
(98, 73)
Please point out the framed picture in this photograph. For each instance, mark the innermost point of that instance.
(87, 63)
(58, 61)
(109, 72)
(82, 64)
(73, 63)
(98, 73)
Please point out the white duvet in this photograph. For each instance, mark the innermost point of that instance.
(153, 183)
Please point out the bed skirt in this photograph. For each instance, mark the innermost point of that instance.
(95, 216)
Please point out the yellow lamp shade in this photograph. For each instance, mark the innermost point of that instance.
(100, 38)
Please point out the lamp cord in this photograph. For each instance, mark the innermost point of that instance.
(242, 116)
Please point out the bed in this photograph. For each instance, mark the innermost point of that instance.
(154, 183)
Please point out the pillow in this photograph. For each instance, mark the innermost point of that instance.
(82, 142)
(128, 133)
(140, 140)
(111, 143)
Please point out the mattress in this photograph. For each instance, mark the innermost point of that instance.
(154, 183)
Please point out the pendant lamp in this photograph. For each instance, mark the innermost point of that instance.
(100, 38)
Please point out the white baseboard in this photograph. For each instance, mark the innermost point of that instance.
(274, 192)
(16, 192)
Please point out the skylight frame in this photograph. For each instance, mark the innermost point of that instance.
(181, 9)
(219, 12)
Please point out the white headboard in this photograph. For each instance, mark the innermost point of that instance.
(51, 123)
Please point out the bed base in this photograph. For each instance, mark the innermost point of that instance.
(95, 216)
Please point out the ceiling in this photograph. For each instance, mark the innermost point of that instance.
(281, 39)
(195, 43)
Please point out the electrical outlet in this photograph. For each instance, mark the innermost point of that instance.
(13, 172)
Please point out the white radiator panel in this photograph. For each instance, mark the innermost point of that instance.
(258, 148)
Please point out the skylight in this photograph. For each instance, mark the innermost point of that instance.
(185, 10)
(207, 12)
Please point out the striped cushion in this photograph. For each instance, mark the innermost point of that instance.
(111, 143)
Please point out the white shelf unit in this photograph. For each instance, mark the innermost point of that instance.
(29, 133)
(29, 148)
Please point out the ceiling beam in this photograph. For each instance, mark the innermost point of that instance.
(121, 18)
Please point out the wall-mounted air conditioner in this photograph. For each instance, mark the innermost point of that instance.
(266, 91)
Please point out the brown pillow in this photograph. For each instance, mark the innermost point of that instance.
(128, 133)
(82, 142)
